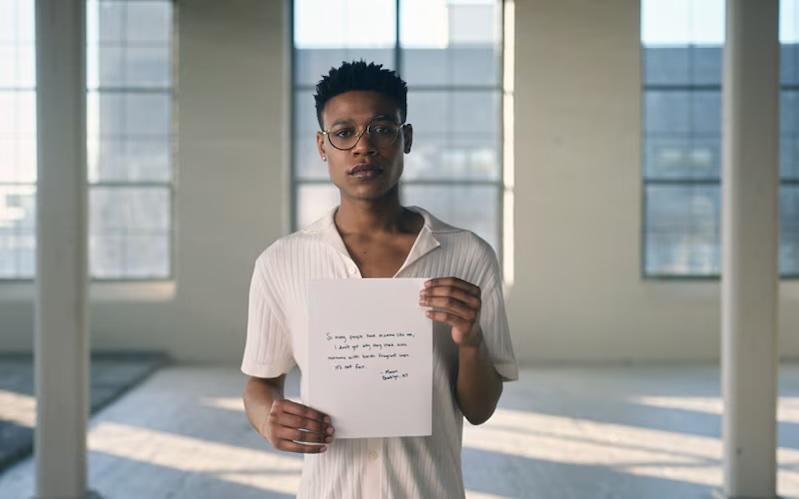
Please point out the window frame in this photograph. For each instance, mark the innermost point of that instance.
(168, 185)
(497, 184)
(690, 182)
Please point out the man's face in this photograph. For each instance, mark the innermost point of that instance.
(373, 166)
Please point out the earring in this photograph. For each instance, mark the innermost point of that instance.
(324, 158)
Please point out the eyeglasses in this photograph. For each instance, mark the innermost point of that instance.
(381, 132)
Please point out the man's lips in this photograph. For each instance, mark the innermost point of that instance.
(364, 168)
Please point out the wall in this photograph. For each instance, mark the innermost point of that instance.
(577, 292)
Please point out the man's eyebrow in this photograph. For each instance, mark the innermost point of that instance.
(341, 121)
(347, 121)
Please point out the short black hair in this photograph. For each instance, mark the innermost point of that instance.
(358, 75)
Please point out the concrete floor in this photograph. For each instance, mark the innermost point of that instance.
(560, 433)
(110, 375)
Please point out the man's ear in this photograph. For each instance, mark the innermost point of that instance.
(320, 145)
(407, 134)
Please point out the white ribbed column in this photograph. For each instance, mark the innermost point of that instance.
(61, 330)
(750, 233)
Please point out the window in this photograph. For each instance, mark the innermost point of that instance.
(129, 138)
(17, 139)
(450, 55)
(682, 58)
(129, 133)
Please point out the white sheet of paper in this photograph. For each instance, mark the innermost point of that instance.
(370, 357)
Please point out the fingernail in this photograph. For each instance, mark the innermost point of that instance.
(327, 419)
(324, 448)
(427, 284)
(330, 430)
(329, 439)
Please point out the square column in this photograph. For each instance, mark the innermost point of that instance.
(750, 241)
(61, 353)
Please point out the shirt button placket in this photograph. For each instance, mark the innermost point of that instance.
(373, 468)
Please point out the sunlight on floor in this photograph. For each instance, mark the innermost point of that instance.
(787, 409)
(17, 408)
(184, 434)
(263, 470)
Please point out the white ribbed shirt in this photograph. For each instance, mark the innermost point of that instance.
(277, 328)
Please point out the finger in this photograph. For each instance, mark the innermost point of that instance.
(292, 407)
(289, 446)
(448, 318)
(453, 281)
(286, 433)
(451, 305)
(457, 293)
(299, 422)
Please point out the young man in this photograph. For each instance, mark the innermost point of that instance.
(361, 110)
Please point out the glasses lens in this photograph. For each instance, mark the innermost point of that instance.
(343, 137)
(383, 133)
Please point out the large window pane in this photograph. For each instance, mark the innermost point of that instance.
(129, 137)
(668, 157)
(132, 255)
(18, 160)
(17, 218)
(129, 118)
(453, 157)
(789, 230)
(17, 139)
(683, 230)
(450, 43)
(682, 48)
(682, 66)
(479, 214)
(327, 32)
(311, 63)
(687, 112)
(456, 135)
(129, 159)
(121, 221)
(449, 52)
(123, 210)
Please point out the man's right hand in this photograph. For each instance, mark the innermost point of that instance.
(289, 423)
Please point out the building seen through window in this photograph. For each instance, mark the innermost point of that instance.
(129, 138)
(449, 52)
(682, 70)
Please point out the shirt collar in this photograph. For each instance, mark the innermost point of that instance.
(425, 242)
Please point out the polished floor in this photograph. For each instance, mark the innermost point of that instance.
(560, 433)
(110, 375)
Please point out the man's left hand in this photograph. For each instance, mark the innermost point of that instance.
(457, 303)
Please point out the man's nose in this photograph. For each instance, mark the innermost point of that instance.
(365, 145)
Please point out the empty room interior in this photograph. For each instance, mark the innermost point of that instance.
(631, 168)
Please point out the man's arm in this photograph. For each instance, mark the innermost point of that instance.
(282, 422)
(478, 386)
(457, 303)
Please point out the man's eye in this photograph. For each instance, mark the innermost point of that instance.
(344, 133)
(382, 130)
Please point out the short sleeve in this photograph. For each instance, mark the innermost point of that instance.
(494, 321)
(267, 351)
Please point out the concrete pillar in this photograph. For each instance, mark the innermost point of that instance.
(61, 332)
(750, 229)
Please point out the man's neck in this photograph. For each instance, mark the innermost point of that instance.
(372, 217)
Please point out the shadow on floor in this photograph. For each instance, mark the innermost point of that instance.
(111, 375)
